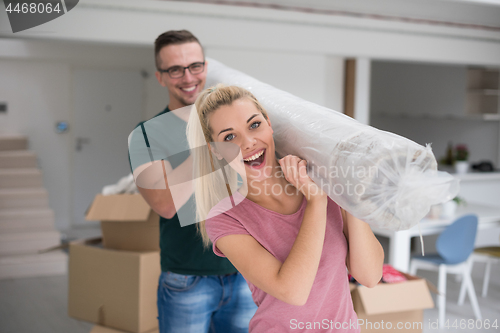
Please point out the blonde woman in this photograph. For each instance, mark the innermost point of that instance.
(292, 246)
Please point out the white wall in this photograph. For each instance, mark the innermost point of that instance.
(35, 81)
(334, 85)
(156, 96)
(481, 137)
(38, 95)
(316, 78)
(426, 103)
(403, 88)
(415, 100)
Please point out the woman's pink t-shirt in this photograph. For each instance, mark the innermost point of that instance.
(329, 306)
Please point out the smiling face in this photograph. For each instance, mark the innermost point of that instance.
(183, 91)
(242, 124)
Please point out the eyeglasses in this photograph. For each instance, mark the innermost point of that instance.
(176, 72)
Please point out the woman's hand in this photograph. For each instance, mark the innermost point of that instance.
(295, 172)
(292, 280)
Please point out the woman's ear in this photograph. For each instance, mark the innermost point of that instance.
(214, 151)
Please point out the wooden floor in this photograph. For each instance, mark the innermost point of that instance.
(39, 305)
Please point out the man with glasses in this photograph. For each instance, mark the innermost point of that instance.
(198, 291)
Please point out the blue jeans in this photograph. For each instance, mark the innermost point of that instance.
(200, 304)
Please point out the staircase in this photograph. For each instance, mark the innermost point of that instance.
(26, 221)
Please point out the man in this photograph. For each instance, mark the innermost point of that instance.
(198, 291)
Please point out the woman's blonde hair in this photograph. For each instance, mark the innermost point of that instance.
(209, 186)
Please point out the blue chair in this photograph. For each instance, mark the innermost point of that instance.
(454, 247)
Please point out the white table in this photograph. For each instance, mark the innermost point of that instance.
(399, 241)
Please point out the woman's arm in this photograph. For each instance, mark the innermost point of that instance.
(365, 255)
(290, 282)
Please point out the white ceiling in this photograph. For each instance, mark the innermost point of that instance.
(459, 13)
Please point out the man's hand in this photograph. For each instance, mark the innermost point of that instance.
(151, 181)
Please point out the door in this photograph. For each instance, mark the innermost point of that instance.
(107, 106)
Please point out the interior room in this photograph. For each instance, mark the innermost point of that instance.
(72, 89)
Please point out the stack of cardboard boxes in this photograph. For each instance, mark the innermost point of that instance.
(114, 283)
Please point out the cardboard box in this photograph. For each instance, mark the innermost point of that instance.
(102, 329)
(116, 289)
(388, 304)
(127, 222)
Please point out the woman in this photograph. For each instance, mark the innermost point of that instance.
(292, 246)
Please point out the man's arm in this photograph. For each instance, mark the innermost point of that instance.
(152, 182)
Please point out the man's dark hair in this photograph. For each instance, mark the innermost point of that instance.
(173, 37)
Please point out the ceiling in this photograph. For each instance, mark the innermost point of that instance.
(472, 14)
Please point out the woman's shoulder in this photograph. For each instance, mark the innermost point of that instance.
(222, 207)
(223, 220)
(228, 205)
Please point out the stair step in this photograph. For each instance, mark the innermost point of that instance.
(20, 178)
(18, 220)
(18, 159)
(13, 142)
(28, 242)
(30, 265)
(23, 198)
